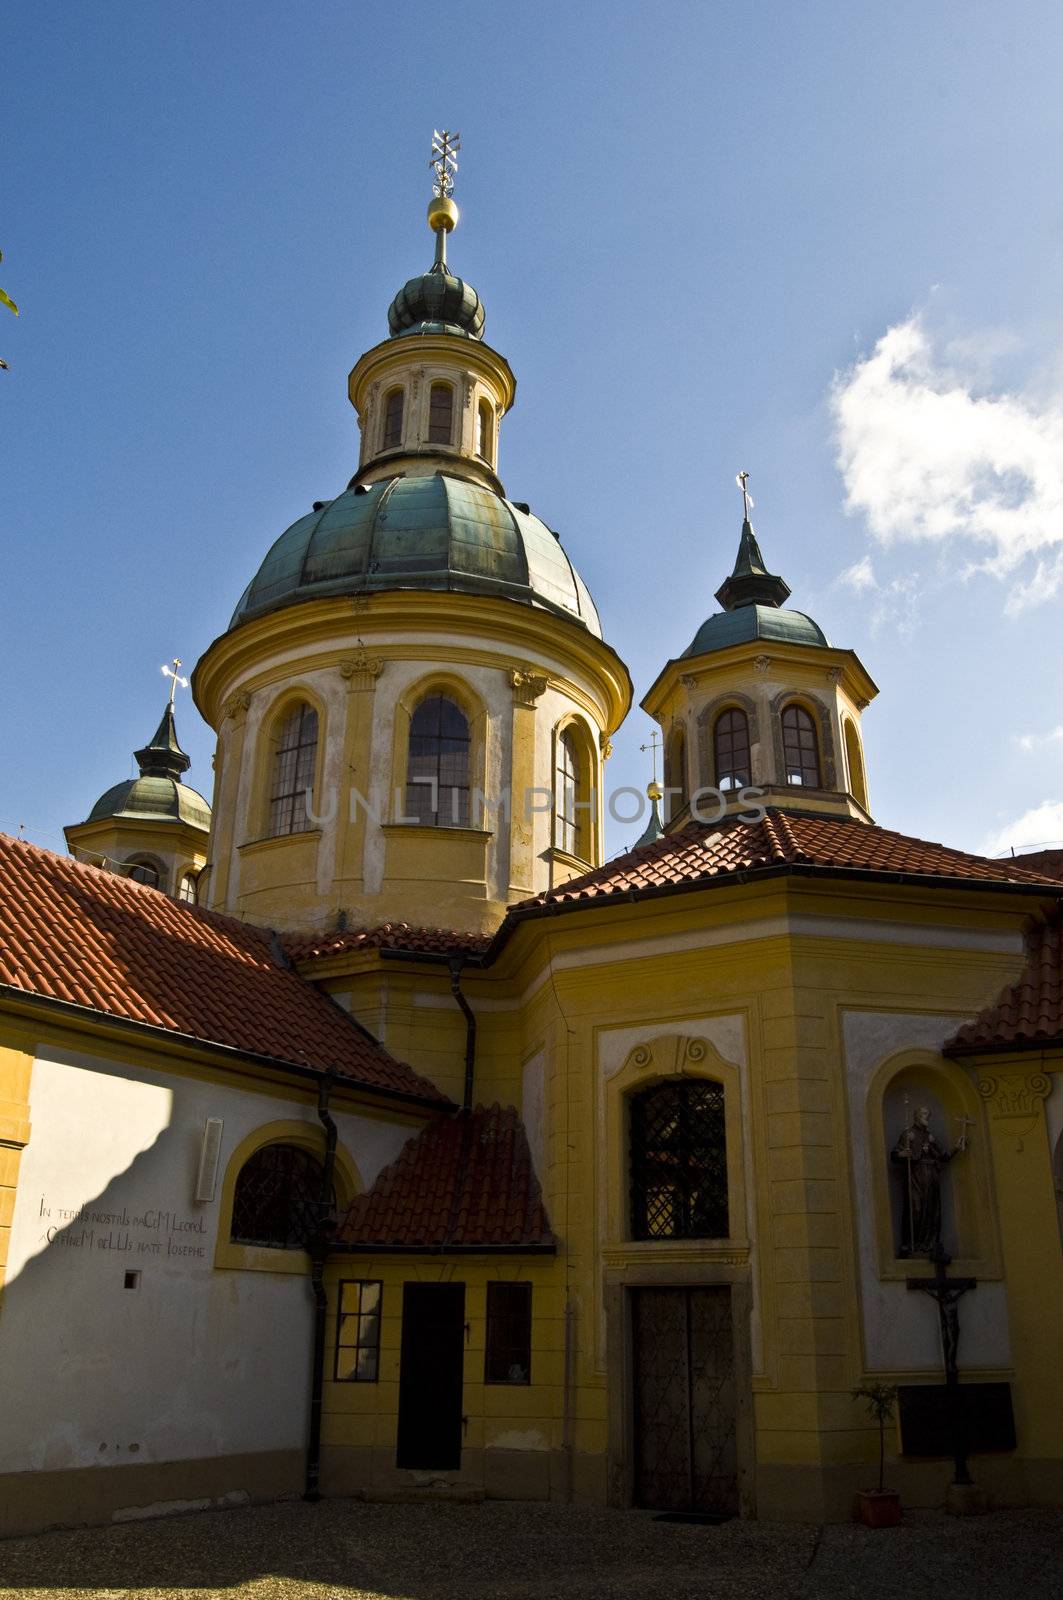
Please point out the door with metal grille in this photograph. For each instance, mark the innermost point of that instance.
(684, 1401)
(430, 1376)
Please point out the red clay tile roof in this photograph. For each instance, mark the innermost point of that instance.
(703, 853)
(1050, 862)
(1029, 1013)
(464, 1182)
(385, 936)
(74, 933)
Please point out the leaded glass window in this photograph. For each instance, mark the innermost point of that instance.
(393, 419)
(731, 749)
(800, 747)
(277, 1198)
(440, 413)
(293, 772)
(358, 1331)
(485, 427)
(437, 776)
(679, 1162)
(568, 831)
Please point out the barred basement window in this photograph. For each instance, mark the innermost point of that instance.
(277, 1198)
(358, 1331)
(508, 1356)
(679, 1162)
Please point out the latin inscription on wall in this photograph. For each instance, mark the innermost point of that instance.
(151, 1233)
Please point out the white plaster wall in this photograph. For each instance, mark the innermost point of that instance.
(194, 1361)
(901, 1330)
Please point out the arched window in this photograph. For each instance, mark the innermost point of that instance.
(679, 1162)
(568, 815)
(675, 774)
(393, 419)
(730, 742)
(485, 427)
(800, 747)
(855, 762)
(293, 772)
(277, 1198)
(145, 872)
(437, 775)
(187, 889)
(440, 413)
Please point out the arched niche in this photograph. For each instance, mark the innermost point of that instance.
(903, 1083)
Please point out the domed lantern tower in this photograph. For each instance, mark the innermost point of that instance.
(760, 700)
(413, 699)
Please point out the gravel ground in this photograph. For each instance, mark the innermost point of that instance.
(346, 1549)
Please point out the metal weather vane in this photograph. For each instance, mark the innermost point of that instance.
(171, 673)
(653, 746)
(444, 162)
(742, 480)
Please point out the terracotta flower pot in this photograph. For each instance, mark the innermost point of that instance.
(877, 1508)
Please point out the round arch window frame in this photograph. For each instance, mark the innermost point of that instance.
(464, 696)
(152, 863)
(293, 696)
(588, 782)
(308, 1136)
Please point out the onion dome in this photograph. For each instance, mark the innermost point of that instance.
(435, 532)
(437, 301)
(752, 598)
(158, 794)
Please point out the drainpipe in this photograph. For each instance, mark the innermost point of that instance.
(456, 964)
(319, 1247)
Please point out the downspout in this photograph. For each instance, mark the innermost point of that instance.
(318, 1247)
(456, 964)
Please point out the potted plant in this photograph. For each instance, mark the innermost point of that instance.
(881, 1507)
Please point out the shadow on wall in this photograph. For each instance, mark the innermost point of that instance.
(120, 1344)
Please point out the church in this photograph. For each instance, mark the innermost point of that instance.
(366, 1132)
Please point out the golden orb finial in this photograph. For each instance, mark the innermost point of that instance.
(443, 214)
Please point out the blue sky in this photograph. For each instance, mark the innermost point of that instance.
(821, 242)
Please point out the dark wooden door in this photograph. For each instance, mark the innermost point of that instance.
(430, 1375)
(684, 1402)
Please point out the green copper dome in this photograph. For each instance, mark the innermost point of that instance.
(158, 794)
(435, 532)
(437, 302)
(750, 622)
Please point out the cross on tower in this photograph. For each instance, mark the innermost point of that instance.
(171, 673)
(653, 746)
(742, 481)
(444, 162)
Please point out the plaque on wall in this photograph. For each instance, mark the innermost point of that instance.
(926, 1429)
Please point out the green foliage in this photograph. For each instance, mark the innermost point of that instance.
(881, 1399)
(6, 300)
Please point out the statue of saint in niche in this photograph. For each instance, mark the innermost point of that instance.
(922, 1161)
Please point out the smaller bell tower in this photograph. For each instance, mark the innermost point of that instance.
(761, 700)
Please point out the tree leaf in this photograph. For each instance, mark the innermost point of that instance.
(6, 300)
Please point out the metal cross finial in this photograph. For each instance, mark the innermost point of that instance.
(444, 162)
(171, 673)
(653, 745)
(742, 481)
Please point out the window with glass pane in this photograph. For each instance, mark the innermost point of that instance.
(277, 1199)
(293, 772)
(358, 1331)
(485, 420)
(187, 888)
(567, 814)
(731, 746)
(437, 775)
(508, 1357)
(678, 1158)
(800, 747)
(393, 419)
(440, 413)
(144, 872)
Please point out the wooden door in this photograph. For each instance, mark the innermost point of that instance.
(430, 1376)
(684, 1401)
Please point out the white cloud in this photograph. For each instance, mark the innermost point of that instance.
(1043, 825)
(858, 577)
(1032, 741)
(925, 455)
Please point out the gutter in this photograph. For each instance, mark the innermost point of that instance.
(343, 1248)
(71, 1011)
(319, 1247)
(456, 963)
